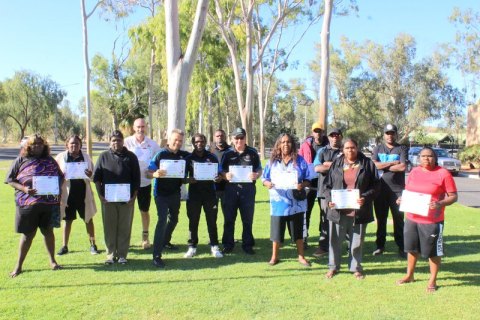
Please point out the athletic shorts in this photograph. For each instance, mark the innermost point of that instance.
(424, 238)
(29, 218)
(72, 209)
(278, 224)
(144, 196)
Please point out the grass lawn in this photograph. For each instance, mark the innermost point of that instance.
(237, 286)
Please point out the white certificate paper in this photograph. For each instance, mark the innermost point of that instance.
(240, 173)
(174, 168)
(205, 171)
(285, 179)
(416, 203)
(46, 185)
(346, 198)
(118, 192)
(75, 170)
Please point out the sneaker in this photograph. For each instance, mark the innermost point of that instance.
(109, 261)
(378, 252)
(227, 250)
(146, 244)
(157, 262)
(93, 249)
(216, 252)
(122, 260)
(62, 251)
(319, 252)
(170, 246)
(190, 253)
(248, 250)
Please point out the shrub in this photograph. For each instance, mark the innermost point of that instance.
(470, 154)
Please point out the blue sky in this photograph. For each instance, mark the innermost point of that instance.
(46, 36)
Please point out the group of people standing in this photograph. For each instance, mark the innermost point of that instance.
(318, 171)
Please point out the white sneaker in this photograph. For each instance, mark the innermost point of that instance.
(122, 261)
(190, 253)
(216, 252)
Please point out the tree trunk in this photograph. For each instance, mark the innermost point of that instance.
(150, 89)
(179, 66)
(325, 66)
(88, 131)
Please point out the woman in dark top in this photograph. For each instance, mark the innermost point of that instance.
(34, 211)
(352, 170)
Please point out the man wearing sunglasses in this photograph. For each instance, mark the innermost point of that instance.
(322, 163)
(390, 159)
(239, 190)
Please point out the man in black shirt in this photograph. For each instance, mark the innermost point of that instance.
(390, 159)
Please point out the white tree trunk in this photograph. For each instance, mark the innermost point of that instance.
(180, 67)
(325, 64)
(88, 129)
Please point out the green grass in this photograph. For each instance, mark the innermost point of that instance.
(237, 286)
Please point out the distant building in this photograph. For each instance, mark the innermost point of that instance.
(473, 125)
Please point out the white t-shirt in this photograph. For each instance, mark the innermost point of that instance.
(144, 151)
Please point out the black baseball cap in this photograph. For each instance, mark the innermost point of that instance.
(238, 132)
(390, 128)
(335, 130)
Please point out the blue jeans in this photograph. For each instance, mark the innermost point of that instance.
(168, 208)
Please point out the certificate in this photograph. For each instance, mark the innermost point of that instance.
(46, 185)
(346, 198)
(285, 179)
(240, 173)
(416, 203)
(118, 192)
(143, 154)
(75, 170)
(174, 168)
(205, 171)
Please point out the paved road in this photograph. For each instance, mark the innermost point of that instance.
(12, 153)
(468, 191)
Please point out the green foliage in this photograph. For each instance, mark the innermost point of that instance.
(470, 154)
(237, 286)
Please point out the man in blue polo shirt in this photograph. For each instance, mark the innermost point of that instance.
(390, 158)
(239, 195)
(167, 194)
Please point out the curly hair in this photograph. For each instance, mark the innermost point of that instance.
(277, 148)
(27, 150)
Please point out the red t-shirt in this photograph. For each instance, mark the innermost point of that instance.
(436, 182)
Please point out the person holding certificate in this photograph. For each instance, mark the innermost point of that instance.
(423, 231)
(117, 179)
(77, 195)
(202, 167)
(241, 167)
(353, 182)
(36, 178)
(285, 173)
(168, 169)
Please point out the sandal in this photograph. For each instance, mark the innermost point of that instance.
(305, 263)
(404, 281)
(432, 288)
(330, 274)
(56, 267)
(15, 273)
(358, 275)
(273, 262)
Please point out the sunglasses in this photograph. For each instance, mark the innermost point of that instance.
(239, 138)
(334, 135)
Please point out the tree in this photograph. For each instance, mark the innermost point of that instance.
(30, 99)
(180, 64)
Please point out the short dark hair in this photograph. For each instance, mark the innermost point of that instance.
(74, 136)
(116, 134)
(198, 135)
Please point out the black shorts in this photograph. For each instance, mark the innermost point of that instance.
(144, 196)
(424, 238)
(278, 223)
(29, 218)
(73, 208)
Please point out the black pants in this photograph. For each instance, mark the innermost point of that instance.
(311, 199)
(387, 199)
(167, 211)
(323, 226)
(238, 197)
(194, 210)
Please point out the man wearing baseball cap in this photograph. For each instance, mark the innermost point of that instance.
(308, 150)
(239, 193)
(390, 159)
(323, 161)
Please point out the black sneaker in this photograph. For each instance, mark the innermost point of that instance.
(62, 251)
(227, 250)
(170, 246)
(93, 249)
(158, 262)
(249, 251)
